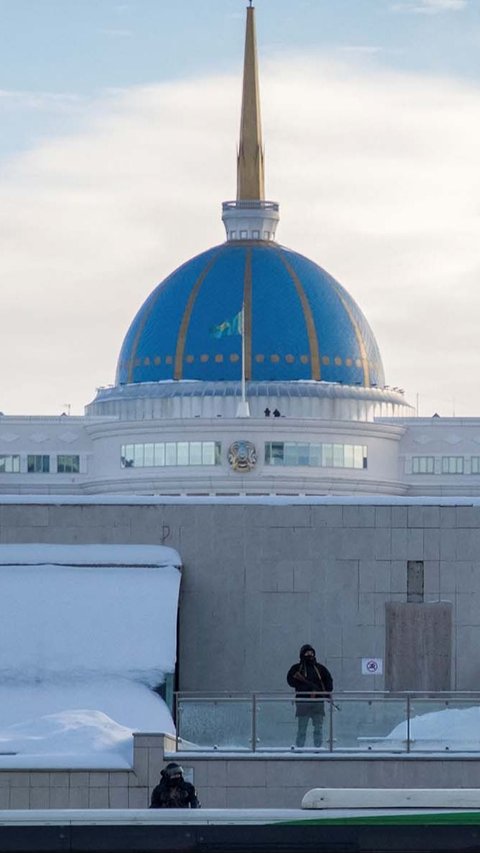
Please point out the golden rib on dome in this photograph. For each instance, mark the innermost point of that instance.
(313, 344)
(187, 315)
(250, 166)
(358, 334)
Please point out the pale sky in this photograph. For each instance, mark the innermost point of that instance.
(119, 125)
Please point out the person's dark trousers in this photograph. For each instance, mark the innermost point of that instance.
(317, 721)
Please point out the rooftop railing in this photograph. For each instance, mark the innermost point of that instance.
(250, 205)
(352, 723)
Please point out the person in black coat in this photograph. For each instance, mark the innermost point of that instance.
(174, 792)
(311, 680)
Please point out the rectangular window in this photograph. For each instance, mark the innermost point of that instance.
(68, 464)
(159, 455)
(195, 453)
(138, 455)
(349, 456)
(170, 453)
(327, 455)
(274, 451)
(303, 454)
(360, 456)
(149, 455)
(38, 464)
(452, 464)
(291, 453)
(126, 459)
(9, 464)
(475, 465)
(338, 456)
(415, 581)
(182, 453)
(208, 453)
(423, 464)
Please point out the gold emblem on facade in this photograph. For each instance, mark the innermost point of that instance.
(242, 456)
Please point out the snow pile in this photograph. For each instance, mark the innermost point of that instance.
(69, 737)
(456, 729)
(85, 633)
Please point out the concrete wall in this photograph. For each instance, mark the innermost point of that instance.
(261, 579)
(241, 781)
(281, 781)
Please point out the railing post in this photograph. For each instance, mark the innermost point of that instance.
(408, 722)
(254, 722)
(178, 726)
(330, 702)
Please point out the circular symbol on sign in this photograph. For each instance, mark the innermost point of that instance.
(372, 665)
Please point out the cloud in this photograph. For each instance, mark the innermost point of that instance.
(34, 100)
(430, 7)
(377, 177)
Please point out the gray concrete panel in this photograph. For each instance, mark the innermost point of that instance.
(418, 650)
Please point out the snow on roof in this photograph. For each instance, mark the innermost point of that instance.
(86, 632)
(90, 555)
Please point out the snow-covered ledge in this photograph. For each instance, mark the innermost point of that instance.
(86, 634)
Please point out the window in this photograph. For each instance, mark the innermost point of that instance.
(415, 581)
(68, 464)
(475, 465)
(256, 235)
(316, 455)
(9, 464)
(423, 464)
(243, 235)
(196, 453)
(149, 455)
(126, 459)
(38, 464)
(452, 464)
(170, 453)
(274, 453)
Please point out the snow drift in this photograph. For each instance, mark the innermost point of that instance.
(86, 632)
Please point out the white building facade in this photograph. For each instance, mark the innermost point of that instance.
(248, 371)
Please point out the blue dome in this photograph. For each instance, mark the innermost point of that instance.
(299, 323)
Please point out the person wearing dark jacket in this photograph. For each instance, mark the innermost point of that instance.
(174, 792)
(310, 680)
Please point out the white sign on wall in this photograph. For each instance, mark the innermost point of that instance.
(372, 666)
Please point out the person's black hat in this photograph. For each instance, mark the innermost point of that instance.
(172, 770)
(306, 648)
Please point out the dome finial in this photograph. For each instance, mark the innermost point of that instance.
(250, 217)
(250, 167)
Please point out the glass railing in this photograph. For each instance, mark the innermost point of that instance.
(346, 722)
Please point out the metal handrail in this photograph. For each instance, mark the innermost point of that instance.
(253, 700)
(249, 205)
(339, 694)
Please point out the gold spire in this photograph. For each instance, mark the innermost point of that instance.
(250, 170)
